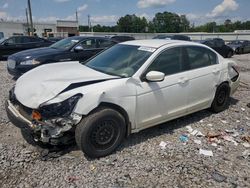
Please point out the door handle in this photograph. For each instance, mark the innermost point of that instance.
(183, 80)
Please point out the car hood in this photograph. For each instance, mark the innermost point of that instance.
(47, 81)
(35, 53)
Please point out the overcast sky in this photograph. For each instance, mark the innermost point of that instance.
(107, 12)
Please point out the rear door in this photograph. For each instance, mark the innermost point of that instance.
(160, 101)
(204, 73)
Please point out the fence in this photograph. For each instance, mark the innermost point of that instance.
(193, 36)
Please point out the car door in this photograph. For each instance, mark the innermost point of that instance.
(11, 46)
(161, 101)
(246, 45)
(204, 73)
(89, 49)
(220, 47)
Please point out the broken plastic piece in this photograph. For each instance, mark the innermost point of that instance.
(208, 153)
(214, 144)
(246, 153)
(230, 139)
(246, 145)
(184, 138)
(218, 177)
(197, 142)
(189, 128)
(163, 145)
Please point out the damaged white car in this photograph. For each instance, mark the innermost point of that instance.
(125, 89)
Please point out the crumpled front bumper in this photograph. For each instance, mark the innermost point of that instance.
(18, 119)
(40, 131)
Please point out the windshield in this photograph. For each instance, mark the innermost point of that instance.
(1, 40)
(65, 44)
(121, 60)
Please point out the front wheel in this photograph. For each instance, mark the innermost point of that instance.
(221, 99)
(100, 133)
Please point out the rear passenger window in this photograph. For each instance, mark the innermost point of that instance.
(168, 62)
(199, 57)
(89, 44)
(104, 43)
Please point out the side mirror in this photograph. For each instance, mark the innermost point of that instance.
(78, 49)
(6, 44)
(155, 76)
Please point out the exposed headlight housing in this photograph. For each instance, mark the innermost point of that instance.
(30, 62)
(61, 109)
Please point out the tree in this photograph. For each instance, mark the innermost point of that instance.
(132, 24)
(168, 22)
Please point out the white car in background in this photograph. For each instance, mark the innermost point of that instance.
(125, 89)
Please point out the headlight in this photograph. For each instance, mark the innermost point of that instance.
(30, 62)
(61, 109)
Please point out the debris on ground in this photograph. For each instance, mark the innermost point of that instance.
(163, 145)
(246, 153)
(197, 142)
(246, 138)
(208, 153)
(218, 177)
(246, 145)
(183, 138)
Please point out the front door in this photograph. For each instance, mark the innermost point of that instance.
(160, 101)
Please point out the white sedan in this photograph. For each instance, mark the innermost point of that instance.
(123, 90)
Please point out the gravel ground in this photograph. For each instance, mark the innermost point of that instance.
(140, 161)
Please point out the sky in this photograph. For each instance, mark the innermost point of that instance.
(107, 12)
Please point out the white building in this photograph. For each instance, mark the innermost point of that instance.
(20, 28)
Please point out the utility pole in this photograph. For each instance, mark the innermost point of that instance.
(27, 20)
(30, 16)
(77, 22)
(76, 16)
(89, 22)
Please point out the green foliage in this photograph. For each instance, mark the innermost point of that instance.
(132, 24)
(166, 22)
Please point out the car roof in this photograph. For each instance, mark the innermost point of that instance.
(157, 43)
(85, 37)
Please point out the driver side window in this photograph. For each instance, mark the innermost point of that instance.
(168, 62)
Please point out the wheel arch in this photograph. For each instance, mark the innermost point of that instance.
(118, 108)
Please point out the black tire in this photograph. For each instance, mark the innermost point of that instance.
(241, 51)
(237, 51)
(100, 133)
(221, 99)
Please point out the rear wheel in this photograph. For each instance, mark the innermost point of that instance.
(100, 133)
(221, 99)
